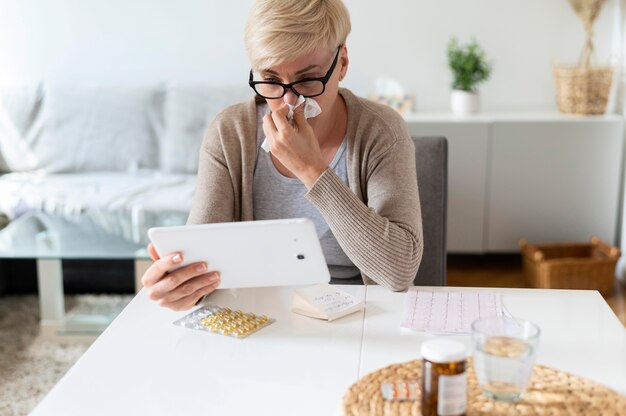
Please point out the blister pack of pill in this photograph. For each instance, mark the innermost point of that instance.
(220, 320)
(400, 390)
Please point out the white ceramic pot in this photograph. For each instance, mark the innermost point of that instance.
(464, 103)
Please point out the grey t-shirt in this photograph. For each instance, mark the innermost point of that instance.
(276, 196)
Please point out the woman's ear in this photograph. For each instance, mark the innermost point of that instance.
(344, 62)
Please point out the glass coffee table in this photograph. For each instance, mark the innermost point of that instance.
(50, 239)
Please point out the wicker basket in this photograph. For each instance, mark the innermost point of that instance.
(571, 265)
(582, 90)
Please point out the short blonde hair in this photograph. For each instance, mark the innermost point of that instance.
(279, 29)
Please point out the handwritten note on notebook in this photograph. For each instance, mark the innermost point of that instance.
(324, 301)
(448, 312)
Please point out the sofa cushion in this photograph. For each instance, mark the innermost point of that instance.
(99, 128)
(20, 124)
(189, 108)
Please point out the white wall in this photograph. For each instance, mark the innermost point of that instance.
(139, 41)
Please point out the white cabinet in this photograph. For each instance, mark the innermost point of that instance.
(467, 173)
(544, 177)
(553, 181)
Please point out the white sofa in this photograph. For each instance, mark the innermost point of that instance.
(123, 157)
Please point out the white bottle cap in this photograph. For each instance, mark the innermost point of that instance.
(443, 350)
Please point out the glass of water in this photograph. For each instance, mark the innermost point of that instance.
(504, 355)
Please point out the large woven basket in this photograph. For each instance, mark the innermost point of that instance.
(582, 90)
(550, 392)
(571, 265)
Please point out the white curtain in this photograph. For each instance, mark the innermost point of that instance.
(617, 105)
(617, 99)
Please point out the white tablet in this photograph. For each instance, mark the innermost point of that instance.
(249, 253)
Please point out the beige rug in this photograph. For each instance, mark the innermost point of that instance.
(30, 365)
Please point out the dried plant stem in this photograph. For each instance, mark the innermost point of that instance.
(587, 11)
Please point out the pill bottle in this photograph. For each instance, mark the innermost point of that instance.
(444, 379)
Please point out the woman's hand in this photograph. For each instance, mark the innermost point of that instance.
(294, 144)
(181, 289)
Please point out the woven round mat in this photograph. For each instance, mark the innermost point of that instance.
(550, 392)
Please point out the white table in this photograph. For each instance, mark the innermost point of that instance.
(142, 364)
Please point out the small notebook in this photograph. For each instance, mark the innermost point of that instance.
(323, 301)
(448, 312)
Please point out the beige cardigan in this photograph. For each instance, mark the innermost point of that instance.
(376, 220)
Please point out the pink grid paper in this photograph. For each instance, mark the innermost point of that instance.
(448, 312)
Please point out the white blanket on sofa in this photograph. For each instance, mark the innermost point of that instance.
(125, 204)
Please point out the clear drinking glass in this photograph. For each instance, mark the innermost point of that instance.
(504, 355)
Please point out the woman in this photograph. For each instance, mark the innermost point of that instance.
(351, 169)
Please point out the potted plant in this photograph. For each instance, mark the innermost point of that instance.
(469, 68)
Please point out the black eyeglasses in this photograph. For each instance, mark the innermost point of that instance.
(308, 87)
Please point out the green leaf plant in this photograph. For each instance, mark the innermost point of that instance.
(468, 64)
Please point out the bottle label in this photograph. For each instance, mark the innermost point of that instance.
(452, 397)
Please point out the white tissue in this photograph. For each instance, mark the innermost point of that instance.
(265, 145)
(299, 101)
(311, 109)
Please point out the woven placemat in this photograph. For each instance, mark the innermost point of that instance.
(550, 392)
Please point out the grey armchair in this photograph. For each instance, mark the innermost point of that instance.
(431, 157)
